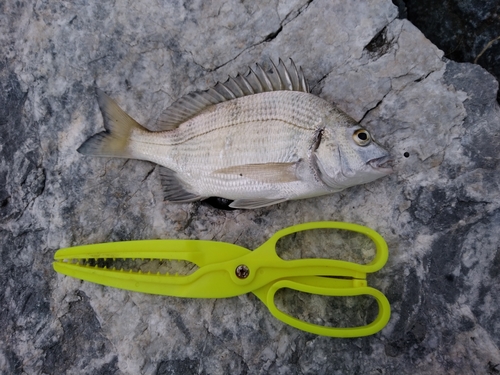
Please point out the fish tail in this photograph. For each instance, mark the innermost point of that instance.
(114, 141)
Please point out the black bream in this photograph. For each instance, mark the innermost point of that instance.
(257, 139)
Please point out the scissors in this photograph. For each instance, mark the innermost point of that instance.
(228, 270)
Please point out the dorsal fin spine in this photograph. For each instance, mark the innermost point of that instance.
(280, 79)
(265, 78)
(303, 82)
(295, 79)
(227, 90)
(190, 106)
(219, 98)
(196, 99)
(283, 70)
(235, 84)
(247, 84)
(256, 77)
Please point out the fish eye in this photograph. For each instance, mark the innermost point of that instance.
(362, 137)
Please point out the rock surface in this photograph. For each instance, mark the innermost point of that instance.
(466, 30)
(439, 212)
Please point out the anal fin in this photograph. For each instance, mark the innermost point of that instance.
(175, 189)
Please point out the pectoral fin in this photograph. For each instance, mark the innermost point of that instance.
(265, 172)
(255, 203)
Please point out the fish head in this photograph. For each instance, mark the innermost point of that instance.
(350, 156)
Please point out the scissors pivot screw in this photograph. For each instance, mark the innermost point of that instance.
(242, 271)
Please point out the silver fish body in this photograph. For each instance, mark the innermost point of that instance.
(255, 149)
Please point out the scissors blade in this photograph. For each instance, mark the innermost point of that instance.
(208, 281)
(199, 252)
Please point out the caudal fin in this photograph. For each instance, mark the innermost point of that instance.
(112, 142)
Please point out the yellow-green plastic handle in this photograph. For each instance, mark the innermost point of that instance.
(318, 285)
(330, 286)
(381, 252)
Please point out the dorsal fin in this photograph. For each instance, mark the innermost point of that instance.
(254, 82)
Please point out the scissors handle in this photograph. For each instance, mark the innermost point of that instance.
(320, 286)
(381, 252)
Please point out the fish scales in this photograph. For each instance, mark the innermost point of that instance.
(255, 149)
(296, 108)
(236, 124)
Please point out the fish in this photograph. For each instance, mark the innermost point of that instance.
(258, 139)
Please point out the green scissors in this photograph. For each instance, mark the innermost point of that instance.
(228, 270)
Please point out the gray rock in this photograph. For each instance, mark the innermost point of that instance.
(439, 211)
(466, 30)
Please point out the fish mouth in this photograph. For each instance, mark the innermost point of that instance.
(382, 164)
